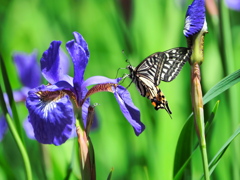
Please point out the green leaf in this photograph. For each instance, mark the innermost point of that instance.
(11, 125)
(211, 117)
(222, 86)
(214, 162)
(183, 150)
(110, 175)
(20, 146)
(183, 154)
(2, 102)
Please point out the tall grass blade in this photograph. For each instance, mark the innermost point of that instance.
(10, 98)
(214, 162)
(222, 86)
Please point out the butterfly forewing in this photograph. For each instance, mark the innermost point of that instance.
(173, 64)
(163, 66)
(149, 67)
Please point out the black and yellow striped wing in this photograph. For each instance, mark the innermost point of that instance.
(163, 66)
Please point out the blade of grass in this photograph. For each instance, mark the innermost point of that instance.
(222, 86)
(184, 145)
(227, 47)
(214, 162)
(216, 90)
(110, 175)
(10, 98)
(17, 138)
(211, 117)
(183, 154)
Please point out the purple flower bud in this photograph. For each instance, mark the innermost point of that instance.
(195, 18)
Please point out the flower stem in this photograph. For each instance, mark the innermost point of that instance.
(86, 153)
(21, 147)
(197, 103)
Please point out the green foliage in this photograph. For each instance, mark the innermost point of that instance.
(140, 28)
(222, 86)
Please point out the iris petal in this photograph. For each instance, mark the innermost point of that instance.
(52, 63)
(99, 80)
(64, 62)
(28, 128)
(81, 42)
(28, 69)
(233, 4)
(195, 18)
(90, 81)
(3, 127)
(52, 120)
(129, 110)
(85, 111)
(80, 60)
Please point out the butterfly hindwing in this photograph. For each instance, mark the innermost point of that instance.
(152, 92)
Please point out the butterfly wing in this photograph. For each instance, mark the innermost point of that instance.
(160, 66)
(163, 66)
(152, 92)
(175, 59)
(149, 67)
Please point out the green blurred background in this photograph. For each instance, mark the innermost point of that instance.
(140, 28)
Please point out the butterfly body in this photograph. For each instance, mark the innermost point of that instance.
(149, 90)
(160, 66)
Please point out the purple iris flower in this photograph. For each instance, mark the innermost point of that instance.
(52, 107)
(195, 18)
(29, 74)
(28, 69)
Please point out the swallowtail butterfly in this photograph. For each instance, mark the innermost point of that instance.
(160, 66)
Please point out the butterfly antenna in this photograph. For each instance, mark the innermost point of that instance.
(123, 68)
(127, 61)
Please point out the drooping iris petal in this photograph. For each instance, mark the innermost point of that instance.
(91, 81)
(19, 96)
(195, 18)
(28, 69)
(52, 64)
(79, 55)
(52, 119)
(99, 80)
(129, 110)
